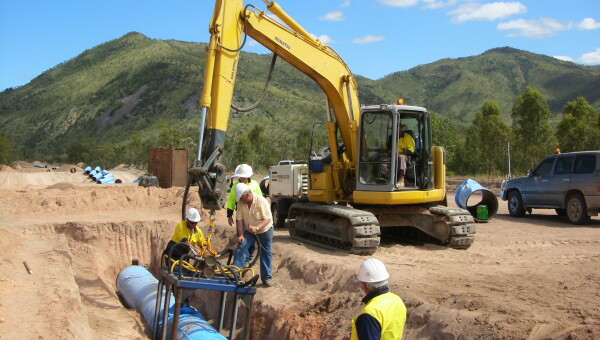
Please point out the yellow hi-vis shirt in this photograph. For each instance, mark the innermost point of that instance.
(406, 142)
(254, 187)
(389, 310)
(181, 231)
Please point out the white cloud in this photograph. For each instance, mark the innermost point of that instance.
(564, 58)
(490, 12)
(368, 39)
(540, 28)
(588, 24)
(346, 3)
(325, 39)
(435, 4)
(333, 16)
(399, 3)
(591, 57)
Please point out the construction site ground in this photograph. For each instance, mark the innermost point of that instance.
(536, 277)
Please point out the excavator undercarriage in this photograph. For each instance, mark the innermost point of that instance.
(359, 231)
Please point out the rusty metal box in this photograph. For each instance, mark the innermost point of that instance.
(169, 165)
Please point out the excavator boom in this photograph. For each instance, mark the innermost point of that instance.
(230, 23)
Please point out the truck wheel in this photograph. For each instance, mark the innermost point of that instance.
(279, 211)
(264, 187)
(577, 209)
(515, 204)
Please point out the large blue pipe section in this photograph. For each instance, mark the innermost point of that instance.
(138, 288)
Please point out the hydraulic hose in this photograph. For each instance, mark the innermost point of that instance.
(265, 90)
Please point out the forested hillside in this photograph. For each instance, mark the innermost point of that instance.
(112, 102)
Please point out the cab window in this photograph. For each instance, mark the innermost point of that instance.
(545, 167)
(585, 164)
(564, 165)
(376, 148)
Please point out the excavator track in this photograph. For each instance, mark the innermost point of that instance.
(455, 221)
(358, 231)
(334, 227)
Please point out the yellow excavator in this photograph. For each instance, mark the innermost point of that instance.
(353, 193)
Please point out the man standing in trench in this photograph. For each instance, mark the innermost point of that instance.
(384, 314)
(253, 218)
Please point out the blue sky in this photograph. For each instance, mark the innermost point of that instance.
(375, 37)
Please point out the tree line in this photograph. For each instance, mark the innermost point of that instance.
(482, 150)
(489, 142)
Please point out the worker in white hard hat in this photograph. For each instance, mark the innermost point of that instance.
(254, 221)
(384, 314)
(189, 232)
(243, 173)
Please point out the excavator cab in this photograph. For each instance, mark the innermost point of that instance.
(378, 161)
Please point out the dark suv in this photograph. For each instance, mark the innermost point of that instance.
(568, 183)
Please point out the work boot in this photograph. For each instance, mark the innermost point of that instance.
(400, 183)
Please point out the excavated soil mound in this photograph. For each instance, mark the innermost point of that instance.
(6, 168)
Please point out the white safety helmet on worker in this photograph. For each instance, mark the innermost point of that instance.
(372, 270)
(243, 170)
(193, 215)
(240, 190)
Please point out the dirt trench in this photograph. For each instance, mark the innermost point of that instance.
(317, 301)
(94, 254)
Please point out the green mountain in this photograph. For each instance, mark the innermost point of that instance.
(138, 85)
(458, 87)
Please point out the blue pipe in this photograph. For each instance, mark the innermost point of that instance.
(488, 198)
(106, 179)
(101, 175)
(87, 170)
(138, 288)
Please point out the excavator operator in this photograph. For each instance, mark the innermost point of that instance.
(406, 148)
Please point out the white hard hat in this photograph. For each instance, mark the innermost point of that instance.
(243, 170)
(372, 270)
(240, 189)
(193, 215)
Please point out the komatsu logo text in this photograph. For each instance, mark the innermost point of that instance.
(286, 45)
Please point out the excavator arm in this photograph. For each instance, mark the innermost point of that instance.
(232, 21)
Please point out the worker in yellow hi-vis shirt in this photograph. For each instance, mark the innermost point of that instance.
(189, 232)
(384, 314)
(406, 147)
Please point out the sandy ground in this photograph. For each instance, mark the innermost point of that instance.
(532, 278)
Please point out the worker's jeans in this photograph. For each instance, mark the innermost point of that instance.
(266, 254)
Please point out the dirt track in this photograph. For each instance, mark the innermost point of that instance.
(532, 278)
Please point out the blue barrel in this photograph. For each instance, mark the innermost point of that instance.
(488, 199)
(138, 288)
